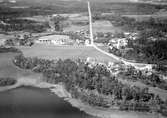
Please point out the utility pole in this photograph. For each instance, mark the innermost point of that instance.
(90, 24)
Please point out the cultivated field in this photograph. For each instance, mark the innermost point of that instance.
(64, 52)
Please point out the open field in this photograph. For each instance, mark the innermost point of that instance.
(98, 26)
(8, 69)
(104, 26)
(63, 52)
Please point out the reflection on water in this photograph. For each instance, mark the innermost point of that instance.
(28, 102)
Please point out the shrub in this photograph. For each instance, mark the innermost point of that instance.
(10, 49)
(7, 81)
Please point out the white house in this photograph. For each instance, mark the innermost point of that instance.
(87, 42)
(122, 43)
(2, 41)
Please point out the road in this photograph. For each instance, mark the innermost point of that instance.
(140, 66)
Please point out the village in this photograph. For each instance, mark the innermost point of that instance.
(106, 59)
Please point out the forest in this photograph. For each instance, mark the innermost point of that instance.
(94, 85)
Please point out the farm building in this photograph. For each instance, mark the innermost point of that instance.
(55, 39)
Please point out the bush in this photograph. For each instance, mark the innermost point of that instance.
(10, 49)
(7, 81)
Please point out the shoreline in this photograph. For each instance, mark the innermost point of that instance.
(59, 90)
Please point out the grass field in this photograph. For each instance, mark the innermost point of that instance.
(8, 69)
(64, 52)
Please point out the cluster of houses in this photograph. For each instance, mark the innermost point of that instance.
(62, 39)
(121, 43)
(118, 43)
(85, 37)
(84, 33)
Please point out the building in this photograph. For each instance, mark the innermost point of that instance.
(118, 43)
(55, 39)
(2, 41)
(131, 36)
(87, 42)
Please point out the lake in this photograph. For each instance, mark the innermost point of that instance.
(29, 102)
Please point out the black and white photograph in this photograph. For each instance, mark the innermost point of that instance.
(83, 58)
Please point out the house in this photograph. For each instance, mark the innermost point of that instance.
(55, 39)
(118, 43)
(126, 33)
(2, 41)
(87, 42)
(122, 43)
(91, 61)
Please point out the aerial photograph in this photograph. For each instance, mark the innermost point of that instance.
(83, 58)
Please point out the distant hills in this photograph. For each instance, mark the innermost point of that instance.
(8, 1)
(149, 1)
(65, 3)
(52, 1)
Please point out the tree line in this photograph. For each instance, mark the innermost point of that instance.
(4, 49)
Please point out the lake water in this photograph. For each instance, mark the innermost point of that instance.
(29, 102)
